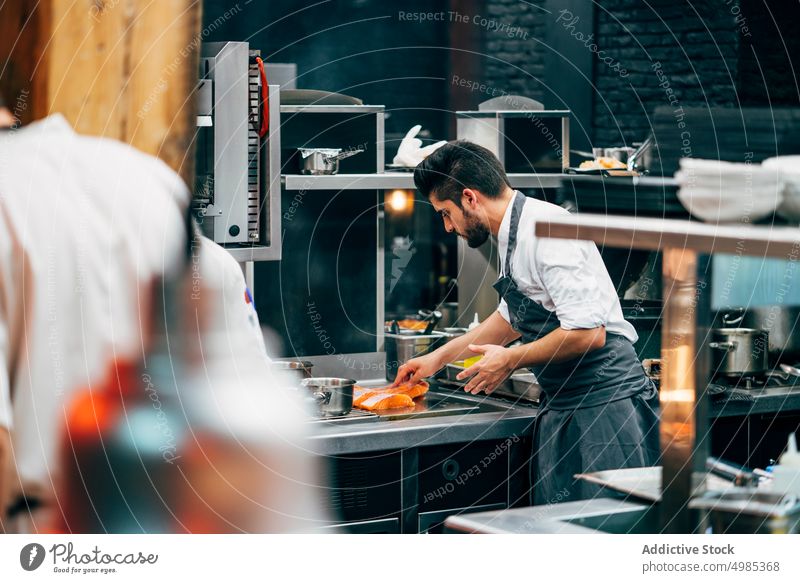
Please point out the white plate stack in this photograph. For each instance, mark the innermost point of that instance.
(728, 192)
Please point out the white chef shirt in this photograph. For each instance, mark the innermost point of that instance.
(565, 276)
(85, 224)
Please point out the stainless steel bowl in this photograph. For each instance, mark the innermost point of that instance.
(333, 396)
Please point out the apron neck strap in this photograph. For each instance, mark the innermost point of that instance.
(516, 212)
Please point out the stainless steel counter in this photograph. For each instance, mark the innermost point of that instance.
(581, 517)
(764, 401)
(491, 418)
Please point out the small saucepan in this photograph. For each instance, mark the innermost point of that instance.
(333, 396)
(322, 161)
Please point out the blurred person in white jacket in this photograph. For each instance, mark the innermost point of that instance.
(85, 223)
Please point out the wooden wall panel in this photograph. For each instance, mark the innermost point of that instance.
(123, 69)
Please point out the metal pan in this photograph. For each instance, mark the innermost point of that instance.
(333, 396)
(323, 161)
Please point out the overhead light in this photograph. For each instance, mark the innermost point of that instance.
(400, 202)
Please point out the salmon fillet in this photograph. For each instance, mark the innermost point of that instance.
(361, 394)
(382, 401)
(413, 391)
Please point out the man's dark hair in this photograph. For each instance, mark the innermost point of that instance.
(459, 165)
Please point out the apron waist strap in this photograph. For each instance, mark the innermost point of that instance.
(566, 400)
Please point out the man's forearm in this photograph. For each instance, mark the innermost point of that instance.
(493, 330)
(557, 346)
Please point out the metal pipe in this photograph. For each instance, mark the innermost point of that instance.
(684, 374)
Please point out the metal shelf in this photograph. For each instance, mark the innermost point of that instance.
(254, 252)
(655, 234)
(529, 113)
(312, 108)
(402, 180)
(382, 181)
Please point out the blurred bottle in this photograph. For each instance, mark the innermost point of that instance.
(182, 440)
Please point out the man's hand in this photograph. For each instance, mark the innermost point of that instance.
(489, 371)
(417, 369)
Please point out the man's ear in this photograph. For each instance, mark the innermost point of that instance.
(469, 198)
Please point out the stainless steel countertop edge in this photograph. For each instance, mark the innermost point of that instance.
(425, 432)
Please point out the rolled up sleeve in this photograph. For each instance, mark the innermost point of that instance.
(503, 309)
(565, 268)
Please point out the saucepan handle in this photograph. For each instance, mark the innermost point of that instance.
(322, 398)
(726, 346)
(731, 318)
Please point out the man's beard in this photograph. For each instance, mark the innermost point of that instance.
(476, 233)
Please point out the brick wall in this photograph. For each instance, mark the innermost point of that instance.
(697, 48)
(712, 53)
(515, 63)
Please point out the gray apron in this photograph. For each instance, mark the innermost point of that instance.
(597, 412)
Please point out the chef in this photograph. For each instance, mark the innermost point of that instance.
(107, 220)
(598, 409)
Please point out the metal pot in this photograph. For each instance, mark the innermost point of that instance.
(406, 345)
(782, 323)
(739, 351)
(333, 396)
(322, 161)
